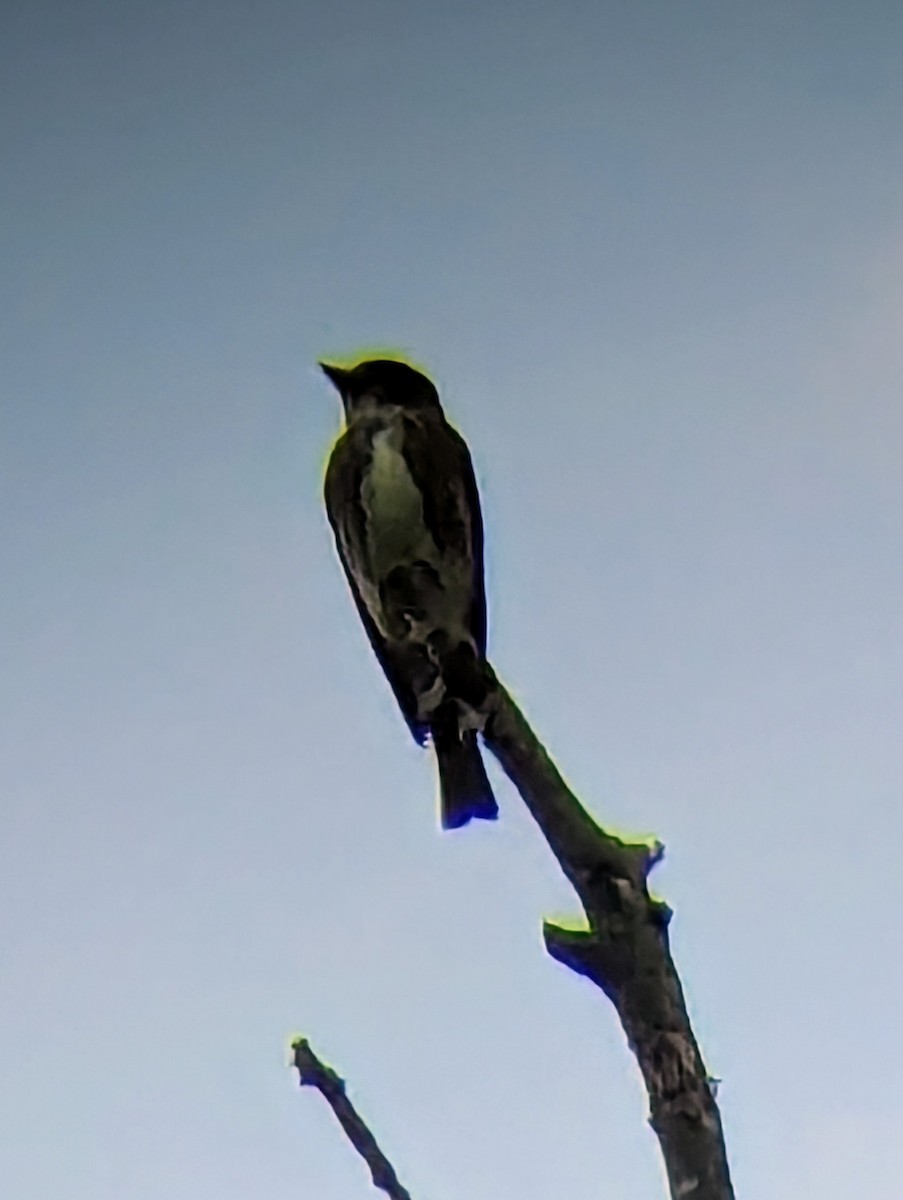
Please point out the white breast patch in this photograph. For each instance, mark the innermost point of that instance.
(396, 530)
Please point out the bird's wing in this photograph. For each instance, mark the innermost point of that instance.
(439, 462)
(344, 476)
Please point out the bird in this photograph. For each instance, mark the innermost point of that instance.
(401, 497)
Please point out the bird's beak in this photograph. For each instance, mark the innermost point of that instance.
(337, 375)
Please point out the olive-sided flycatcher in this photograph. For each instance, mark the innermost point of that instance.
(402, 501)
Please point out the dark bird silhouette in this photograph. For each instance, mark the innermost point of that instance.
(402, 502)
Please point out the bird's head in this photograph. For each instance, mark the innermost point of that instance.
(381, 383)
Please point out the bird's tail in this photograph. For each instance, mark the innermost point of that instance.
(464, 790)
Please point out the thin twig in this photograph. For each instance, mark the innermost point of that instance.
(315, 1073)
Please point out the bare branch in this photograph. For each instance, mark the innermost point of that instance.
(313, 1072)
(625, 952)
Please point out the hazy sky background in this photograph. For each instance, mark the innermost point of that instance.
(653, 254)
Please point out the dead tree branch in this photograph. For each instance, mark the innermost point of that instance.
(625, 952)
(315, 1073)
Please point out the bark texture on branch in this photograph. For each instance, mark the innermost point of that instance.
(625, 952)
(315, 1073)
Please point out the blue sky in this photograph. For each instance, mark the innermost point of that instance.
(652, 254)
